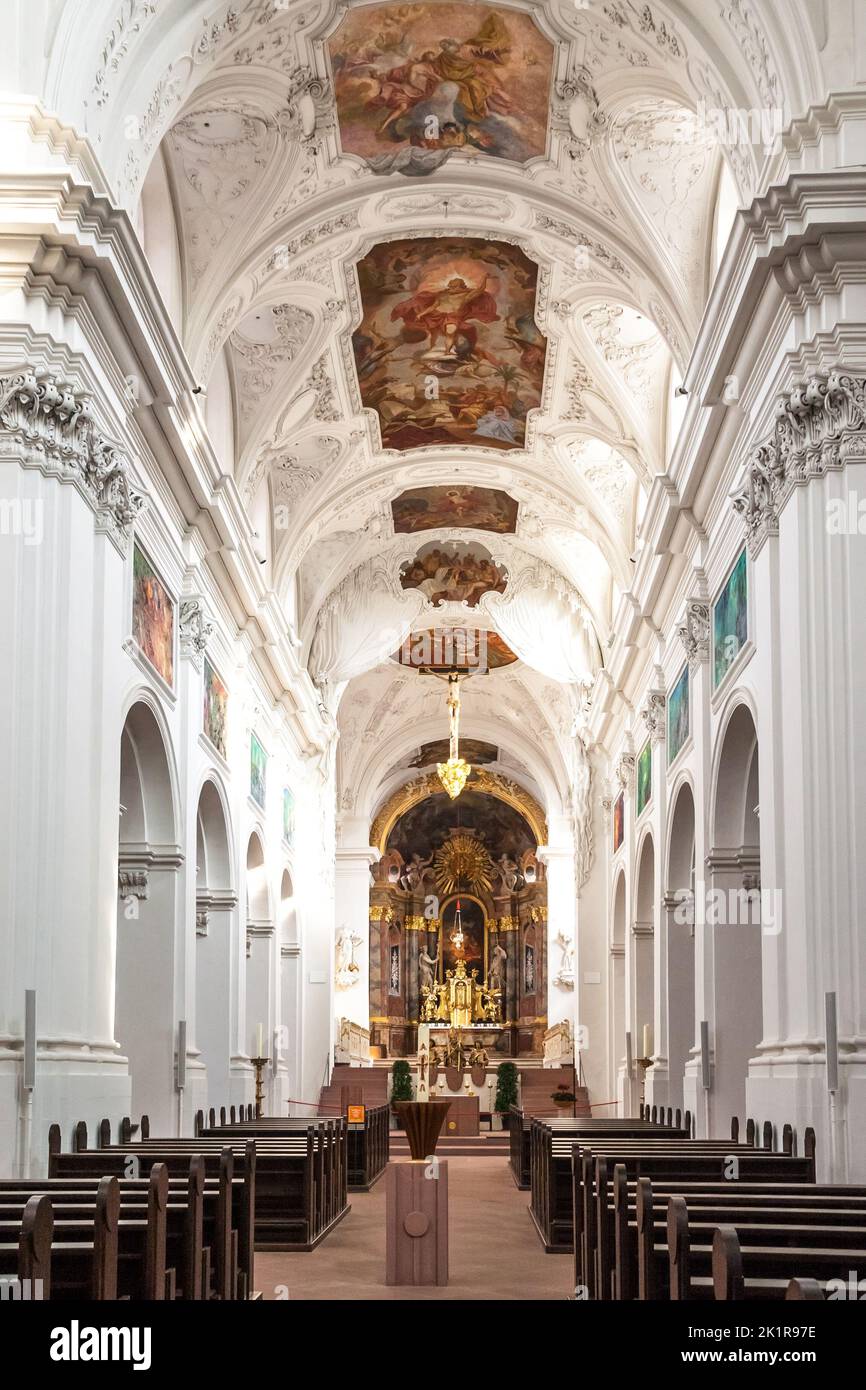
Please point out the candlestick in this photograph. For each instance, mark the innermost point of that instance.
(260, 1063)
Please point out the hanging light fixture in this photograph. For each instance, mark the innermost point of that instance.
(457, 937)
(453, 774)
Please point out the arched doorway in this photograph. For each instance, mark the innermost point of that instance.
(643, 952)
(148, 860)
(679, 906)
(260, 938)
(619, 1079)
(288, 1056)
(732, 915)
(214, 901)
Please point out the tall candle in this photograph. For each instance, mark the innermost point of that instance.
(259, 1052)
(647, 1040)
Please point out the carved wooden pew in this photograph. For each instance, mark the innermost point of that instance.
(190, 1217)
(367, 1144)
(671, 1163)
(221, 1224)
(551, 1142)
(742, 1269)
(141, 1232)
(83, 1256)
(298, 1181)
(635, 1207)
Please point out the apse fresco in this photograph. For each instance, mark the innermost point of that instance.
(478, 508)
(152, 616)
(447, 351)
(416, 83)
(455, 574)
(450, 649)
(425, 826)
(476, 752)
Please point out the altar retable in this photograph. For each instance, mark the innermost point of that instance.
(461, 1000)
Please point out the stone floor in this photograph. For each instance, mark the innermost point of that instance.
(495, 1253)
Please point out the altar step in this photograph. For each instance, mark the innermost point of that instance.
(353, 1086)
(496, 1145)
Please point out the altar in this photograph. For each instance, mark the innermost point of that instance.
(460, 999)
(462, 1117)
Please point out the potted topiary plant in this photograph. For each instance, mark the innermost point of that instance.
(506, 1092)
(563, 1097)
(401, 1082)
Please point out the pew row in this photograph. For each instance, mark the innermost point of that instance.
(297, 1182)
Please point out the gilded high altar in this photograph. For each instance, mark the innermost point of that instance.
(461, 1000)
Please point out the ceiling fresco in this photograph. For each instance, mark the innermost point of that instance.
(469, 649)
(458, 574)
(479, 508)
(415, 84)
(448, 351)
(527, 309)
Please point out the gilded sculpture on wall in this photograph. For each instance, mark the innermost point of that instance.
(460, 1000)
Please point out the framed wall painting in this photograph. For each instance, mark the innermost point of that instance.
(730, 620)
(215, 703)
(152, 616)
(258, 771)
(618, 821)
(644, 777)
(678, 715)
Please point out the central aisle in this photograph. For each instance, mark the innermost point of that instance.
(495, 1253)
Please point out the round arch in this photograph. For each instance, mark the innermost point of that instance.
(679, 924)
(258, 891)
(733, 927)
(152, 787)
(148, 915)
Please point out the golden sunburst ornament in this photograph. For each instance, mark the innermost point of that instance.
(454, 772)
(462, 860)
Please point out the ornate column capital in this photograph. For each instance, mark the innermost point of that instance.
(694, 633)
(625, 771)
(195, 630)
(820, 424)
(47, 424)
(653, 715)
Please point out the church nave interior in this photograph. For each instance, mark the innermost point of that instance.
(431, 439)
